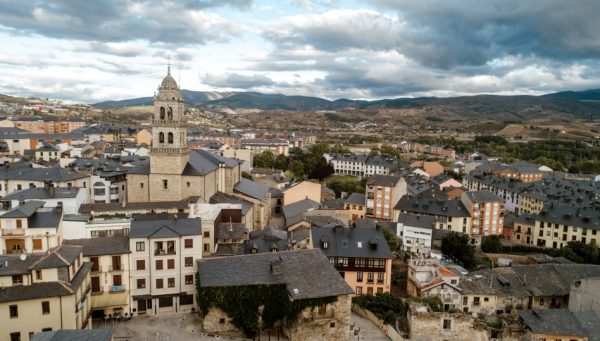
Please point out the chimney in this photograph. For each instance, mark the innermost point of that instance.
(59, 207)
(276, 266)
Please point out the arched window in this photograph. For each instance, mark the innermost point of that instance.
(170, 137)
(162, 113)
(170, 114)
(161, 137)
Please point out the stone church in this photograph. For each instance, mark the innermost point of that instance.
(175, 172)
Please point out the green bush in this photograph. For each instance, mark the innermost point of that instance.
(491, 244)
(385, 306)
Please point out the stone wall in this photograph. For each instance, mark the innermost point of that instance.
(334, 325)
(135, 193)
(431, 326)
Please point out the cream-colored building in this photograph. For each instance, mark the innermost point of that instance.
(109, 274)
(30, 228)
(300, 191)
(43, 292)
(163, 260)
(556, 225)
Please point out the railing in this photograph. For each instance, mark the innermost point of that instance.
(96, 269)
(13, 232)
(117, 288)
(180, 123)
(169, 150)
(161, 252)
(115, 267)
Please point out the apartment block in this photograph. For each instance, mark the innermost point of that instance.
(487, 212)
(383, 193)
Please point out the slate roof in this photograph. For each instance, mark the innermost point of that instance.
(583, 217)
(356, 199)
(75, 335)
(503, 281)
(431, 206)
(137, 206)
(40, 174)
(113, 245)
(562, 322)
(351, 242)
(294, 213)
(265, 240)
(383, 180)
(306, 272)
(165, 228)
(23, 211)
(424, 222)
(44, 218)
(557, 277)
(252, 189)
(231, 231)
(41, 193)
(221, 197)
(483, 196)
(60, 256)
(13, 265)
(47, 147)
(334, 204)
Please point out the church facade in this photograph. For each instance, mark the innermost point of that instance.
(175, 172)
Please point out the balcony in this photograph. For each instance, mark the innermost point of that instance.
(117, 288)
(96, 269)
(165, 123)
(163, 252)
(13, 232)
(115, 267)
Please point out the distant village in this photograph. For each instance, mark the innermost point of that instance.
(101, 224)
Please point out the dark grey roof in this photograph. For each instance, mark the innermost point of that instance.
(114, 245)
(557, 277)
(137, 206)
(13, 265)
(44, 218)
(41, 193)
(562, 322)
(265, 171)
(60, 256)
(165, 228)
(383, 180)
(502, 281)
(413, 220)
(202, 162)
(430, 206)
(23, 211)
(351, 242)
(294, 213)
(75, 335)
(33, 291)
(47, 147)
(266, 240)
(231, 231)
(252, 189)
(483, 196)
(40, 174)
(305, 273)
(583, 217)
(221, 197)
(356, 199)
(334, 204)
(365, 223)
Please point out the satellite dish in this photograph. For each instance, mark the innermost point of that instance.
(23, 256)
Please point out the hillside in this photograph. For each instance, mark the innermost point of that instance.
(189, 96)
(585, 95)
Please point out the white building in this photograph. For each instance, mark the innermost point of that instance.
(416, 232)
(360, 165)
(163, 259)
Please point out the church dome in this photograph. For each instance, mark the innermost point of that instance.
(169, 83)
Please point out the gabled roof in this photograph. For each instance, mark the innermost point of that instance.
(42, 193)
(48, 217)
(165, 228)
(413, 220)
(305, 273)
(562, 322)
(356, 199)
(351, 242)
(60, 256)
(75, 335)
(40, 174)
(113, 245)
(23, 211)
(47, 147)
(252, 189)
(293, 213)
(221, 197)
(383, 180)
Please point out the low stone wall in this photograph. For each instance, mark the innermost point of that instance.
(333, 325)
(386, 328)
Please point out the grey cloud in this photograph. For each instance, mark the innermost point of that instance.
(237, 81)
(111, 21)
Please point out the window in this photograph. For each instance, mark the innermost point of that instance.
(486, 299)
(541, 301)
(189, 261)
(19, 224)
(475, 300)
(359, 262)
(95, 284)
(17, 279)
(159, 283)
(447, 324)
(14, 311)
(189, 243)
(370, 277)
(189, 279)
(465, 300)
(165, 184)
(186, 299)
(170, 264)
(380, 277)
(359, 276)
(165, 302)
(161, 137)
(16, 336)
(37, 244)
(141, 185)
(141, 283)
(170, 138)
(140, 246)
(117, 280)
(206, 247)
(171, 282)
(45, 307)
(140, 264)
(38, 275)
(359, 290)
(159, 264)
(206, 234)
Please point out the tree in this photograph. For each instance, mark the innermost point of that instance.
(393, 241)
(265, 159)
(457, 246)
(246, 175)
(297, 168)
(491, 244)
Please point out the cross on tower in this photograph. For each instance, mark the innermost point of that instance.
(168, 64)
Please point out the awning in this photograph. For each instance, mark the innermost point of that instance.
(110, 300)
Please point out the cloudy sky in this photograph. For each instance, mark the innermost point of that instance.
(108, 49)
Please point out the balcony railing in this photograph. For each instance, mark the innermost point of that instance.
(115, 267)
(117, 288)
(96, 269)
(162, 252)
(13, 232)
(166, 123)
